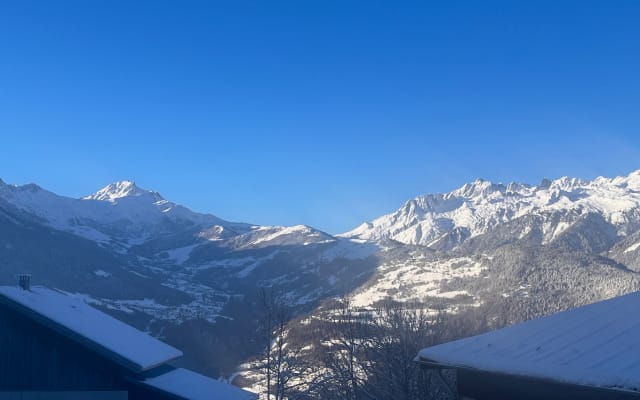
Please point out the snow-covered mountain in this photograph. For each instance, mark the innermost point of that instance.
(193, 277)
(559, 244)
(118, 190)
(121, 211)
(490, 255)
(126, 214)
(169, 270)
(444, 221)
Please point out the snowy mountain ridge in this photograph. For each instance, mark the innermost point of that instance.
(532, 249)
(128, 214)
(169, 270)
(478, 207)
(120, 189)
(120, 211)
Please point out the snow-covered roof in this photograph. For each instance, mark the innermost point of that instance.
(192, 386)
(76, 319)
(593, 345)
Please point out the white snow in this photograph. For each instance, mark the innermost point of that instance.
(206, 304)
(116, 191)
(74, 314)
(248, 270)
(192, 386)
(633, 247)
(90, 233)
(181, 254)
(264, 236)
(595, 345)
(274, 232)
(416, 280)
(121, 210)
(123, 215)
(480, 206)
(350, 250)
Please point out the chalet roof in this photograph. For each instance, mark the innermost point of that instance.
(593, 345)
(79, 321)
(187, 384)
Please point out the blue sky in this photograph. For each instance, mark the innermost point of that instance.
(327, 113)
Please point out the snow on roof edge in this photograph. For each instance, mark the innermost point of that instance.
(90, 327)
(594, 345)
(190, 385)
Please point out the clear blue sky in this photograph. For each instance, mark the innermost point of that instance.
(327, 113)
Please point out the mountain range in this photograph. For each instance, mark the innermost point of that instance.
(193, 278)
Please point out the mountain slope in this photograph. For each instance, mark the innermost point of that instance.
(194, 278)
(491, 255)
(444, 221)
(468, 247)
(123, 213)
(171, 271)
(119, 212)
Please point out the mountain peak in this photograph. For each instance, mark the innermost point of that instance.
(633, 176)
(545, 183)
(479, 187)
(478, 207)
(117, 190)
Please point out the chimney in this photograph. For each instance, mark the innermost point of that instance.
(24, 281)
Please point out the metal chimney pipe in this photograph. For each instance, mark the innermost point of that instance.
(24, 281)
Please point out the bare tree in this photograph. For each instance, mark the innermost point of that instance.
(345, 341)
(369, 354)
(343, 353)
(285, 370)
(272, 324)
(400, 332)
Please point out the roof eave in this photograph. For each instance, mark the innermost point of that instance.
(427, 363)
(80, 339)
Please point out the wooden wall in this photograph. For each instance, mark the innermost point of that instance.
(482, 385)
(33, 357)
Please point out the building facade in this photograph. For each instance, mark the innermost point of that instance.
(54, 346)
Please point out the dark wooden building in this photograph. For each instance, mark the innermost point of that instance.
(591, 352)
(55, 346)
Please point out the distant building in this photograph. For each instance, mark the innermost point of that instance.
(591, 352)
(55, 346)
